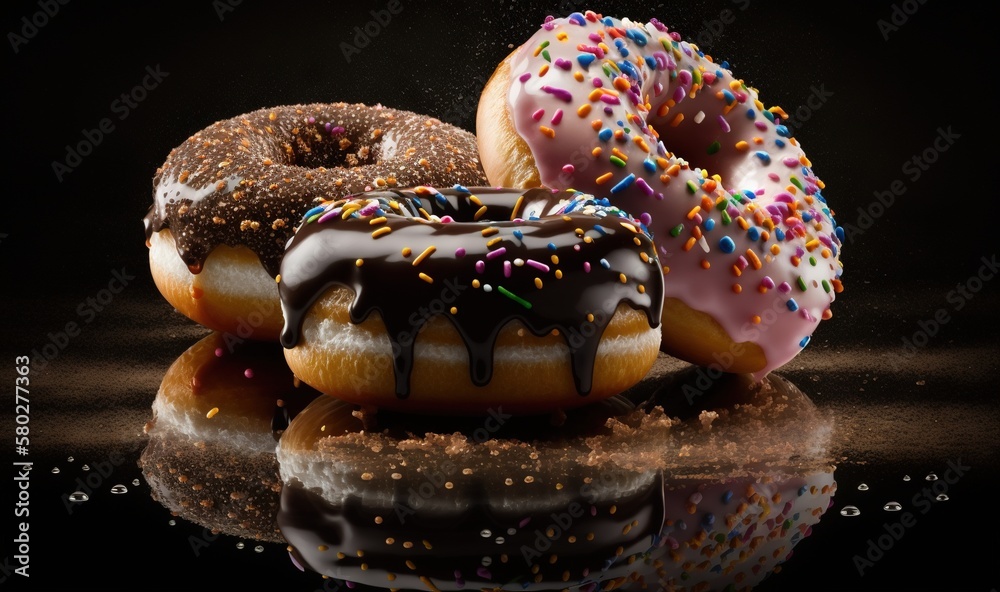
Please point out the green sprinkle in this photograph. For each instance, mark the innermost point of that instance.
(545, 44)
(692, 187)
(696, 75)
(714, 147)
(826, 287)
(676, 230)
(725, 218)
(513, 297)
(802, 283)
(722, 205)
(812, 261)
(617, 161)
(797, 183)
(545, 54)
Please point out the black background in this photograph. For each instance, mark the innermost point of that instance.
(888, 93)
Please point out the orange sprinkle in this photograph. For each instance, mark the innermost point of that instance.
(705, 264)
(596, 152)
(543, 70)
(595, 95)
(359, 262)
(690, 243)
(426, 278)
(796, 261)
(641, 143)
(578, 76)
(742, 146)
(619, 134)
(547, 131)
(212, 412)
(811, 245)
(584, 110)
(775, 249)
(621, 276)
(754, 260)
(604, 178)
(427, 253)
(755, 320)
(494, 241)
(663, 108)
(619, 154)
(737, 271)
(677, 120)
(596, 124)
(737, 288)
(694, 212)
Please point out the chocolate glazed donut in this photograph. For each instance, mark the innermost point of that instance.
(507, 259)
(226, 201)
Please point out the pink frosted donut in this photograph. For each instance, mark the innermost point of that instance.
(749, 247)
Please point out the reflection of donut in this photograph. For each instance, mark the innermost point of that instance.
(226, 200)
(616, 497)
(210, 456)
(447, 301)
(630, 111)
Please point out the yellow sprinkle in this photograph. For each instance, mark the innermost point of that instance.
(590, 317)
(406, 251)
(636, 240)
(596, 152)
(475, 200)
(578, 76)
(538, 283)
(629, 225)
(554, 259)
(559, 274)
(562, 36)
(211, 412)
(621, 276)
(411, 565)
(359, 262)
(277, 279)
(811, 245)
(476, 283)
(427, 544)
(454, 310)
(742, 146)
(642, 289)
(426, 278)
(381, 232)
(490, 230)
(694, 212)
(494, 241)
(427, 253)
(517, 206)
(377, 221)
(480, 213)
(543, 70)
(644, 257)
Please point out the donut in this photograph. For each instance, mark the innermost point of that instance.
(217, 416)
(617, 497)
(446, 301)
(749, 247)
(226, 201)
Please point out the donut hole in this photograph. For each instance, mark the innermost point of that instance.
(315, 147)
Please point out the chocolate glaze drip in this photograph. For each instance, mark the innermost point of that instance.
(599, 260)
(247, 181)
(591, 540)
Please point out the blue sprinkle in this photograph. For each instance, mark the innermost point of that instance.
(726, 245)
(572, 206)
(441, 199)
(680, 525)
(577, 18)
(724, 64)
(629, 69)
(802, 491)
(586, 59)
(768, 115)
(605, 134)
(807, 217)
(552, 246)
(753, 233)
(600, 229)
(779, 143)
(518, 234)
(794, 306)
(779, 234)
(781, 130)
(751, 114)
(708, 519)
(749, 194)
(805, 341)
(840, 233)
(608, 22)
(605, 264)
(763, 156)
(726, 497)
(637, 36)
(313, 212)
(730, 97)
(624, 183)
(709, 224)
(717, 568)
(651, 63)
(649, 165)
(460, 188)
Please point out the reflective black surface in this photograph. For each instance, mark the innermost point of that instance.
(907, 366)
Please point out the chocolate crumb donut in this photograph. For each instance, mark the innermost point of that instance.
(226, 201)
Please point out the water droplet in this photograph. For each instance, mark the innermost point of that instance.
(906, 477)
(892, 507)
(931, 477)
(172, 522)
(487, 561)
(119, 489)
(850, 511)
(485, 533)
(240, 545)
(863, 487)
(258, 549)
(135, 482)
(500, 540)
(85, 467)
(69, 459)
(55, 470)
(942, 497)
(78, 496)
